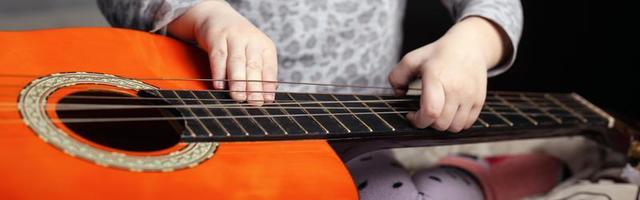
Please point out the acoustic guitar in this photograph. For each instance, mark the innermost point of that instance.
(102, 113)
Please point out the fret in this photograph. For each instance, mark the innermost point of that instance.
(390, 107)
(323, 119)
(350, 121)
(525, 105)
(400, 107)
(534, 122)
(288, 123)
(405, 104)
(549, 105)
(252, 119)
(492, 120)
(516, 95)
(213, 125)
(498, 115)
(194, 124)
(305, 121)
(375, 113)
(502, 108)
(586, 112)
(564, 115)
(194, 114)
(510, 114)
(559, 111)
(489, 101)
(194, 111)
(371, 120)
(228, 124)
(528, 107)
(330, 113)
(226, 111)
(245, 120)
(267, 122)
(557, 102)
(393, 118)
(476, 124)
(556, 119)
(314, 118)
(482, 122)
(359, 119)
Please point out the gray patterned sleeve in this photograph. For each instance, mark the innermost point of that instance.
(505, 13)
(146, 15)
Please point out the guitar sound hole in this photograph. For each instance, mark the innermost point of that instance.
(139, 136)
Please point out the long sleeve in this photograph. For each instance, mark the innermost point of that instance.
(146, 15)
(507, 14)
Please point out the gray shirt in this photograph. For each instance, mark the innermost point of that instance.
(354, 42)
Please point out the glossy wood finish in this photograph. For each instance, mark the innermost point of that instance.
(32, 169)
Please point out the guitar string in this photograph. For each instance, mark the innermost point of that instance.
(489, 93)
(98, 97)
(89, 106)
(132, 119)
(128, 107)
(222, 80)
(77, 107)
(416, 98)
(263, 81)
(278, 102)
(303, 83)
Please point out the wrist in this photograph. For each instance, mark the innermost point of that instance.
(208, 8)
(185, 26)
(484, 37)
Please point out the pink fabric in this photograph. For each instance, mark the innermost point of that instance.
(511, 177)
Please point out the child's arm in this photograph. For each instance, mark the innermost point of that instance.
(454, 68)
(238, 51)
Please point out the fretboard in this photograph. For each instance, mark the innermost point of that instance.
(213, 116)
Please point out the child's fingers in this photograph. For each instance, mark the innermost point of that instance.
(269, 73)
(236, 68)
(448, 113)
(460, 120)
(404, 72)
(254, 74)
(218, 58)
(432, 103)
(473, 115)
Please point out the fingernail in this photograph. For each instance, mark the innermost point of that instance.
(410, 115)
(255, 99)
(218, 85)
(269, 97)
(241, 96)
(255, 96)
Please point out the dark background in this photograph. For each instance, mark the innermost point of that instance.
(566, 46)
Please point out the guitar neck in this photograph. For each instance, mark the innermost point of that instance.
(213, 116)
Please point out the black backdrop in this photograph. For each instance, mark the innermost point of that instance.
(566, 46)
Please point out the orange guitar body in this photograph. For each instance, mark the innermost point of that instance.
(30, 168)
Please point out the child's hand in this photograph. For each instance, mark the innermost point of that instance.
(454, 74)
(237, 50)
